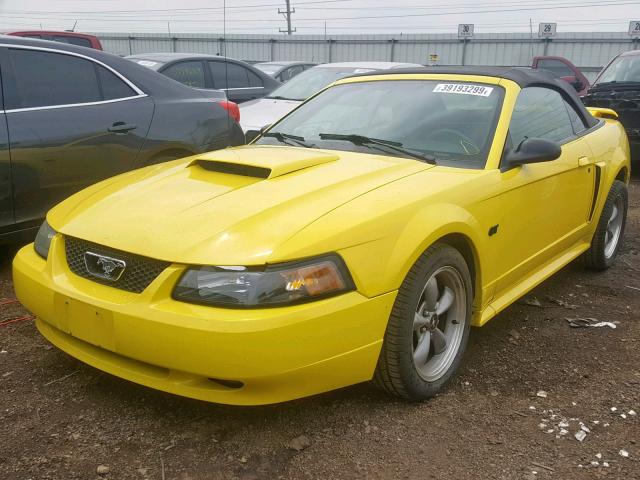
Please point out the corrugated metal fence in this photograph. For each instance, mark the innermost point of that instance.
(589, 51)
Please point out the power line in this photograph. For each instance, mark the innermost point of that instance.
(174, 10)
(564, 5)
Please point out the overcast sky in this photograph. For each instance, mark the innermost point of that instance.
(311, 16)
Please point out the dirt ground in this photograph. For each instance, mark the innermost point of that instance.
(62, 419)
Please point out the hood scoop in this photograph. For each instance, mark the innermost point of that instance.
(262, 161)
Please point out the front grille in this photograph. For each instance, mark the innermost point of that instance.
(138, 274)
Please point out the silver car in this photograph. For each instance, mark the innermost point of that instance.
(256, 114)
(283, 71)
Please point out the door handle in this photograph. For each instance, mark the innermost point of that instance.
(585, 161)
(122, 127)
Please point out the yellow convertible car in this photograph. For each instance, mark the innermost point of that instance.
(358, 238)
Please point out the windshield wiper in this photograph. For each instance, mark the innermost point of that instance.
(369, 141)
(284, 137)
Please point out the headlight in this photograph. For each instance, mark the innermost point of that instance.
(281, 284)
(43, 239)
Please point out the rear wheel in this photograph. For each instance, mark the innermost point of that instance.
(429, 326)
(609, 234)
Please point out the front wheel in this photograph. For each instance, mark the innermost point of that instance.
(609, 233)
(429, 326)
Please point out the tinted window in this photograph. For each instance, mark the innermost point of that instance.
(237, 76)
(45, 79)
(576, 119)
(254, 80)
(218, 73)
(558, 68)
(82, 42)
(188, 73)
(232, 75)
(540, 113)
(290, 72)
(112, 86)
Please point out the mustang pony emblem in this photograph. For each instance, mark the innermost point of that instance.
(106, 268)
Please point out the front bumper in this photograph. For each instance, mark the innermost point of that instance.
(243, 357)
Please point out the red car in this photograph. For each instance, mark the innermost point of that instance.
(565, 70)
(80, 39)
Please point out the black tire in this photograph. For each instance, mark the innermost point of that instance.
(596, 257)
(396, 373)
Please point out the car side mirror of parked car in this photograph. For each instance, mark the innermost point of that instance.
(251, 135)
(531, 150)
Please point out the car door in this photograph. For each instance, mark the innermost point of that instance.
(240, 83)
(72, 121)
(544, 208)
(6, 193)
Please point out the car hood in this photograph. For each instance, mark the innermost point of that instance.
(228, 207)
(257, 113)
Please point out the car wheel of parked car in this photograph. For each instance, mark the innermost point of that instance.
(610, 231)
(429, 326)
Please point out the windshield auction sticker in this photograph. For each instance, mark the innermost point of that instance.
(463, 89)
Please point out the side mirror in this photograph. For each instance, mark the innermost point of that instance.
(251, 135)
(531, 150)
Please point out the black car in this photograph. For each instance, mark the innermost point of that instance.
(618, 87)
(240, 80)
(71, 116)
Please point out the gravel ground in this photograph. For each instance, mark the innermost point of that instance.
(65, 420)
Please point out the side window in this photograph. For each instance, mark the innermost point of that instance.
(254, 80)
(112, 86)
(188, 73)
(293, 71)
(540, 113)
(237, 76)
(45, 79)
(576, 120)
(218, 74)
(231, 75)
(558, 68)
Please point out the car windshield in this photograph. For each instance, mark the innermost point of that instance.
(622, 69)
(449, 122)
(307, 83)
(268, 68)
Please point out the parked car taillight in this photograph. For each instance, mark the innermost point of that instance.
(232, 108)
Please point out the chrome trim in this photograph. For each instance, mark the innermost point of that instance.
(132, 85)
(86, 104)
(240, 88)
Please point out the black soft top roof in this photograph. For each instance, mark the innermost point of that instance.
(524, 77)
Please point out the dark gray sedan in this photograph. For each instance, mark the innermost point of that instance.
(239, 80)
(71, 116)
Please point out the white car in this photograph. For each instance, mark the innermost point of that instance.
(258, 113)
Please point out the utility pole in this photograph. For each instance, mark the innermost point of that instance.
(287, 14)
